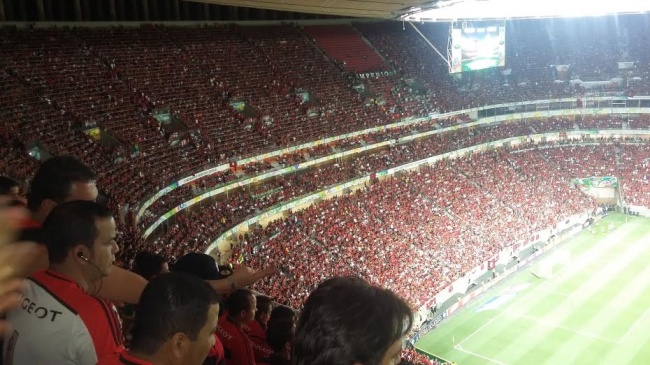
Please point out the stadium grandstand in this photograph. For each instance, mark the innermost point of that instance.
(485, 162)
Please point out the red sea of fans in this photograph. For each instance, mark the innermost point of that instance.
(234, 91)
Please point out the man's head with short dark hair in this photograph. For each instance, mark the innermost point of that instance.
(241, 305)
(72, 224)
(264, 306)
(148, 265)
(176, 320)
(80, 240)
(283, 312)
(60, 179)
(348, 321)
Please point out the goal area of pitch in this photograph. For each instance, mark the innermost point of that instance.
(550, 265)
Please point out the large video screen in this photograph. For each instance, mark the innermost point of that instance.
(476, 48)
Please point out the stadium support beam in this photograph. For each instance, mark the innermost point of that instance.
(112, 13)
(2, 11)
(49, 10)
(176, 10)
(77, 10)
(40, 10)
(22, 12)
(145, 10)
(430, 44)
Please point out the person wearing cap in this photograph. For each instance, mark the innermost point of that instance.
(204, 267)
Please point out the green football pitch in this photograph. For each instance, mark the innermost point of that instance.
(596, 310)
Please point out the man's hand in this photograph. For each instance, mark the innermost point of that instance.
(244, 276)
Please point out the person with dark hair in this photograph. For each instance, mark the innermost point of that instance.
(174, 324)
(60, 179)
(283, 312)
(149, 265)
(80, 240)
(65, 178)
(279, 336)
(346, 320)
(256, 329)
(240, 306)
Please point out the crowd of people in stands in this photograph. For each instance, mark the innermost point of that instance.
(226, 92)
(196, 227)
(179, 318)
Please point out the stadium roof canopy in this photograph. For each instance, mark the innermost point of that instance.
(447, 10)
(387, 9)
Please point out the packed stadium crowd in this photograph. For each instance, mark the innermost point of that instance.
(231, 91)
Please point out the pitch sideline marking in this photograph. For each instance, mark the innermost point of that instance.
(634, 325)
(480, 328)
(569, 329)
(459, 348)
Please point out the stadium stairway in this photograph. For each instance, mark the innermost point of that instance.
(347, 47)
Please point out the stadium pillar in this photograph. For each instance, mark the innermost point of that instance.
(176, 10)
(40, 10)
(206, 11)
(134, 9)
(232, 15)
(185, 15)
(22, 12)
(8, 11)
(154, 10)
(61, 12)
(145, 10)
(77, 10)
(87, 12)
(112, 13)
(2, 11)
(121, 10)
(49, 11)
(245, 14)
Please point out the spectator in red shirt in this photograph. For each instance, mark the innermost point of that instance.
(175, 323)
(80, 239)
(348, 321)
(62, 179)
(241, 306)
(256, 329)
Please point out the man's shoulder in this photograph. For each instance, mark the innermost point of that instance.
(228, 331)
(69, 294)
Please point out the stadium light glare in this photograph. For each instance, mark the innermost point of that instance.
(507, 9)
